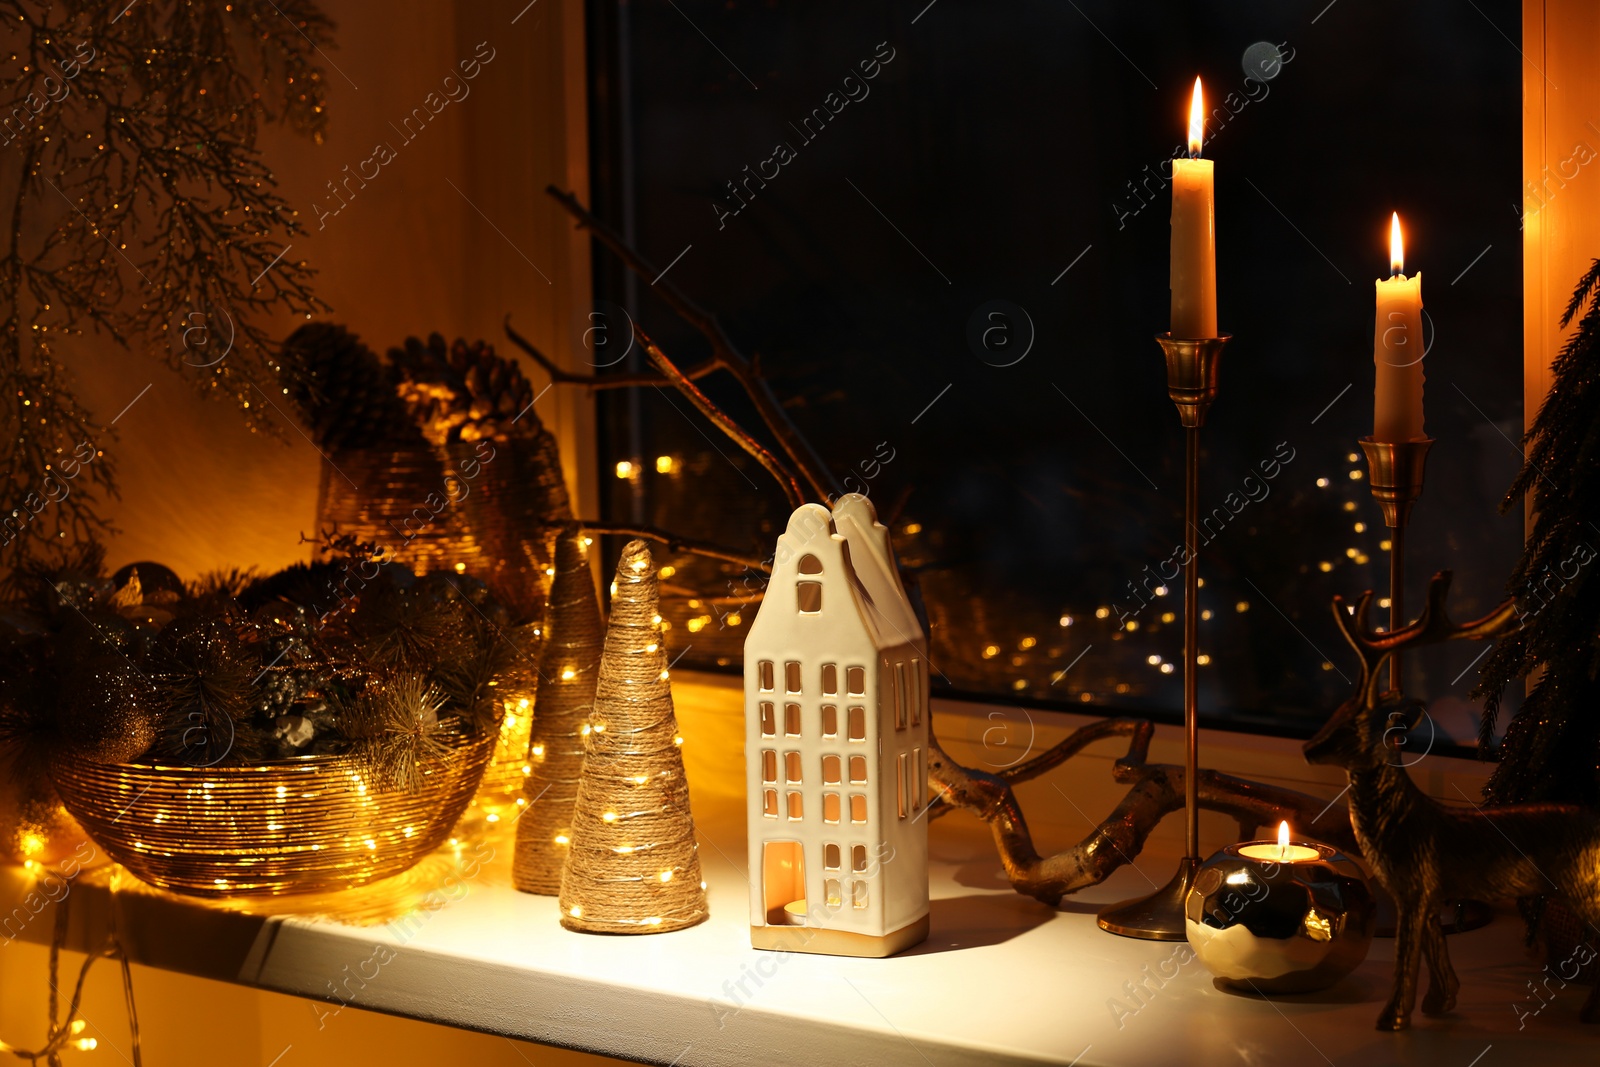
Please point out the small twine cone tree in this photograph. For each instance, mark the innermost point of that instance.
(633, 866)
(569, 664)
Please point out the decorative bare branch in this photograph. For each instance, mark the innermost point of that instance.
(724, 354)
(600, 381)
(681, 544)
(1157, 790)
(720, 419)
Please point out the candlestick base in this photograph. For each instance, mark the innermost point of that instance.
(1192, 373)
(1159, 916)
(1395, 472)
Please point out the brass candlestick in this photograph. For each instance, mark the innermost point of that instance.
(1192, 369)
(1395, 472)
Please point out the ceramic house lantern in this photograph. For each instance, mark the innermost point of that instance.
(836, 743)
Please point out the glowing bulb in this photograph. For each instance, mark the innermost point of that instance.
(1197, 120)
(677, 740)
(664, 464)
(1153, 660)
(599, 727)
(85, 1044)
(575, 911)
(1101, 613)
(640, 779)
(1167, 668)
(663, 676)
(609, 816)
(666, 876)
(1066, 620)
(78, 1026)
(562, 839)
(639, 564)
(538, 752)
(1242, 606)
(654, 920)
(1397, 247)
(1322, 483)
(1361, 527)
(624, 469)
(991, 651)
(568, 674)
(461, 568)
(734, 619)
(668, 571)
(1202, 659)
(1161, 590)
(1324, 566)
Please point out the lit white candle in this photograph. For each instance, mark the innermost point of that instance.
(1193, 270)
(1397, 348)
(1282, 852)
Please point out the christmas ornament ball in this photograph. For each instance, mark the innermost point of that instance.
(108, 711)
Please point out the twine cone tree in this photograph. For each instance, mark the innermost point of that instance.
(633, 866)
(569, 664)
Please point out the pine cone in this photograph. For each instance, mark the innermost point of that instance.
(463, 392)
(343, 392)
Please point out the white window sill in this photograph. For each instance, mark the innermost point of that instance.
(1002, 979)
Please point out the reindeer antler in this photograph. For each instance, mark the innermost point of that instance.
(1430, 627)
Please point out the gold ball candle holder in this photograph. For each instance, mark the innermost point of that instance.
(1280, 917)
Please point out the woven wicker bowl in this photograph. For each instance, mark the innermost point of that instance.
(305, 825)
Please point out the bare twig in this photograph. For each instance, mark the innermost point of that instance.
(600, 381)
(680, 544)
(721, 420)
(724, 353)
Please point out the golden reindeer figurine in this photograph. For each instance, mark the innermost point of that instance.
(1425, 852)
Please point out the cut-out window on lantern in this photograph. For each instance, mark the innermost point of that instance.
(791, 766)
(796, 810)
(858, 724)
(769, 765)
(916, 692)
(902, 781)
(830, 770)
(791, 677)
(791, 719)
(858, 808)
(830, 857)
(858, 769)
(830, 679)
(919, 766)
(832, 893)
(830, 807)
(900, 695)
(858, 894)
(858, 858)
(769, 803)
(830, 721)
(769, 722)
(766, 675)
(856, 679)
(808, 596)
(810, 564)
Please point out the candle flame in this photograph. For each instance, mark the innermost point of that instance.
(1397, 246)
(1197, 120)
(1283, 840)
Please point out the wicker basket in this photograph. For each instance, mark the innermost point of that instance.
(304, 825)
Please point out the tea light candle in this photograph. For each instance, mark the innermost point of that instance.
(1282, 852)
